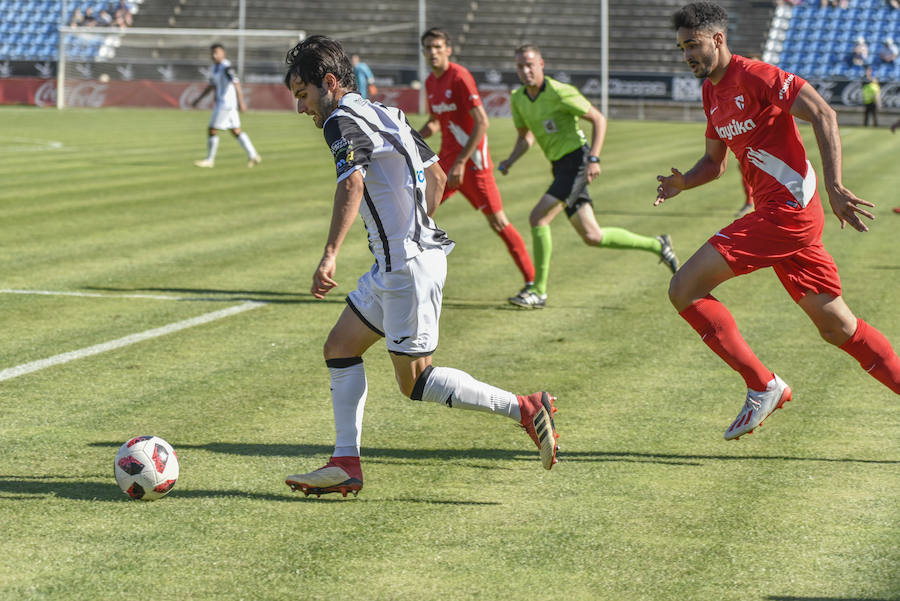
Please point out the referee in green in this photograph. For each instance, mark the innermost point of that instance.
(546, 110)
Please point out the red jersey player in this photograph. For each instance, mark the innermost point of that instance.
(455, 108)
(750, 108)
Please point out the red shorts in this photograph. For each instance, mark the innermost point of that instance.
(478, 186)
(794, 251)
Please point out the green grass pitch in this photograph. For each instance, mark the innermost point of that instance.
(648, 501)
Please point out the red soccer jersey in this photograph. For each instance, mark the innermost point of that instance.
(749, 110)
(451, 97)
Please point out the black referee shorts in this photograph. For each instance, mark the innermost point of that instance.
(570, 180)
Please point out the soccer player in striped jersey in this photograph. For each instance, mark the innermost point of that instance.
(750, 108)
(229, 100)
(387, 174)
(456, 111)
(548, 111)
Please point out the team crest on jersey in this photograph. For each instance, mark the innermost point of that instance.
(550, 126)
(448, 93)
(739, 101)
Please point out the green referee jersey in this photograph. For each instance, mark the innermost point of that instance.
(552, 117)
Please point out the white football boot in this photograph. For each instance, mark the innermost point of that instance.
(204, 163)
(340, 474)
(529, 299)
(254, 161)
(758, 406)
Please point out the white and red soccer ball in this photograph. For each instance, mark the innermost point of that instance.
(146, 468)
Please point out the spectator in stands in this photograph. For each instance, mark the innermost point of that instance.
(871, 94)
(77, 18)
(122, 14)
(365, 79)
(89, 19)
(860, 54)
(104, 19)
(889, 51)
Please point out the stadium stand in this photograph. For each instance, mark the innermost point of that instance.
(485, 32)
(28, 30)
(817, 41)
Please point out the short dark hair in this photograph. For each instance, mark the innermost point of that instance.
(316, 56)
(436, 32)
(701, 15)
(528, 48)
(216, 45)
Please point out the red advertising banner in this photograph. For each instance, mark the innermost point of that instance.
(160, 94)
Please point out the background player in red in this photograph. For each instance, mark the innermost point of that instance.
(750, 107)
(456, 111)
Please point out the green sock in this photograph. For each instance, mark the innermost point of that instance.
(543, 247)
(616, 237)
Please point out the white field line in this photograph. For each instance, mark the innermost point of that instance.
(26, 368)
(91, 294)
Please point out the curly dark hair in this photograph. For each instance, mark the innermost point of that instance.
(314, 57)
(701, 15)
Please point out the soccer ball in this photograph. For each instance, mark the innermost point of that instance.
(146, 468)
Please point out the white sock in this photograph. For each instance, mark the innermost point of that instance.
(456, 388)
(244, 140)
(348, 399)
(212, 145)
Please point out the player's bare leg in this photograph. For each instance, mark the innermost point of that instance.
(689, 292)
(212, 146)
(839, 326)
(585, 223)
(420, 380)
(346, 343)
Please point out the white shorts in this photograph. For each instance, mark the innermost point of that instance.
(225, 119)
(404, 305)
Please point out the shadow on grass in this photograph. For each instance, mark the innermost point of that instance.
(79, 489)
(790, 598)
(216, 295)
(275, 298)
(91, 490)
(392, 455)
(301, 298)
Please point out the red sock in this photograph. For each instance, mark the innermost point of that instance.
(516, 247)
(875, 355)
(348, 464)
(712, 320)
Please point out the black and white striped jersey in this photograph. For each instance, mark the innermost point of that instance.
(392, 156)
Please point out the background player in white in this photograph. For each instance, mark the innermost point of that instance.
(388, 175)
(229, 100)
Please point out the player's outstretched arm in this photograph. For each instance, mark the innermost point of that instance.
(810, 106)
(524, 142)
(435, 180)
(347, 197)
(708, 168)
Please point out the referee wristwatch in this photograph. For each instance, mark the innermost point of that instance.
(593, 159)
